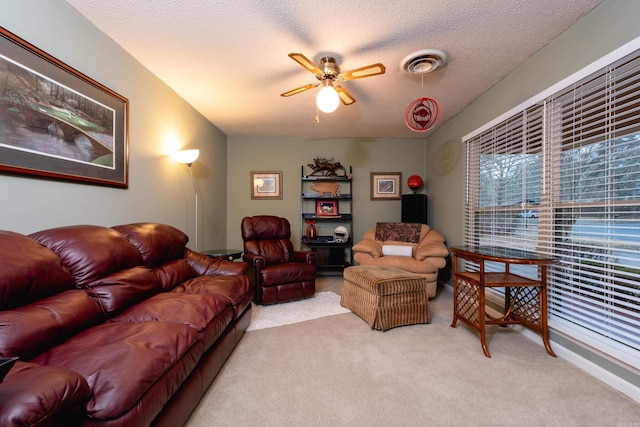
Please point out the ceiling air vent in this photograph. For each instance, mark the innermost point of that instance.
(424, 61)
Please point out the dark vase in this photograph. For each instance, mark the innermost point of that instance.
(312, 233)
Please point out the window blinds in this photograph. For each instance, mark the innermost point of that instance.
(562, 177)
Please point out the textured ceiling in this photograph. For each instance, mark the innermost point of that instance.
(229, 58)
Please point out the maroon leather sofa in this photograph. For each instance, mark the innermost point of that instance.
(120, 326)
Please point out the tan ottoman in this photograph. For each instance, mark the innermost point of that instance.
(385, 297)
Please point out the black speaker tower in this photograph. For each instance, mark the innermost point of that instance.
(414, 208)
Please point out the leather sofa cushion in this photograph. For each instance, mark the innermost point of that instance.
(89, 251)
(157, 243)
(236, 289)
(205, 266)
(174, 272)
(209, 314)
(284, 273)
(28, 330)
(120, 290)
(29, 271)
(53, 388)
(120, 362)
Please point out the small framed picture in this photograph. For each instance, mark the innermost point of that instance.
(385, 185)
(266, 185)
(326, 208)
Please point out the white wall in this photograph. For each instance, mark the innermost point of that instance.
(289, 154)
(159, 189)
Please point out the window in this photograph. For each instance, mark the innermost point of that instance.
(562, 176)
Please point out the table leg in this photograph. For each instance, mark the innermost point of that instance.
(455, 292)
(482, 317)
(543, 313)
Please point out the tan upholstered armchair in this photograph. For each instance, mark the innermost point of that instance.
(410, 247)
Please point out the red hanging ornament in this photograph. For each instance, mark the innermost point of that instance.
(422, 114)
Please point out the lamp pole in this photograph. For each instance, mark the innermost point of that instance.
(195, 190)
(187, 157)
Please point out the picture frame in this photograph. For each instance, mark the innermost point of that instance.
(266, 185)
(327, 208)
(386, 185)
(57, 123)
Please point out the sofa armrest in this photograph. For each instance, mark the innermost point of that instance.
(207, 266)
(307, 257)
(368, 246)
(31, 394)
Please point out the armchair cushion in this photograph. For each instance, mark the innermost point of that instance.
(398, 232)
(400, 250)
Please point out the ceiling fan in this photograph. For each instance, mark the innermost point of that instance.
(328, 73)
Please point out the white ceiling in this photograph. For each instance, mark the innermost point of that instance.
(228, 58)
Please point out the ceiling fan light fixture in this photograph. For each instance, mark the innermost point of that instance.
(327, 99)
(424, 61)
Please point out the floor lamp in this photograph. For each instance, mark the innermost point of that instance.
(188, 157)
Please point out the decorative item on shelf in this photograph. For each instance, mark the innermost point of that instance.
(323, 167)
(415, 183)
(326, 188)
(341, 234)
(312, 232)
(327, 208)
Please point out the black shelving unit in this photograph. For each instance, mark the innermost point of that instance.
(331, 257)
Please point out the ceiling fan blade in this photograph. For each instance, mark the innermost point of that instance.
(306, 63)
(300, 89)
(345, 96)
(358, 73)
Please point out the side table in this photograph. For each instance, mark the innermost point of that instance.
(228, 254)
(525, 299)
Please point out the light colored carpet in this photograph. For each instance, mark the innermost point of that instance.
(336, 371)
(320, 305)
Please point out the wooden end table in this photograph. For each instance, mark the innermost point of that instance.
(525, 298)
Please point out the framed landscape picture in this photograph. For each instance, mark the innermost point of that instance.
(385, 185)
(266, 185)
(56, 122)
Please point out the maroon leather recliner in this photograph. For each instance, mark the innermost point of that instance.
(277, 272)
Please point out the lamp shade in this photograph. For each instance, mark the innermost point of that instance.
(327, 99)
(186, 156)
